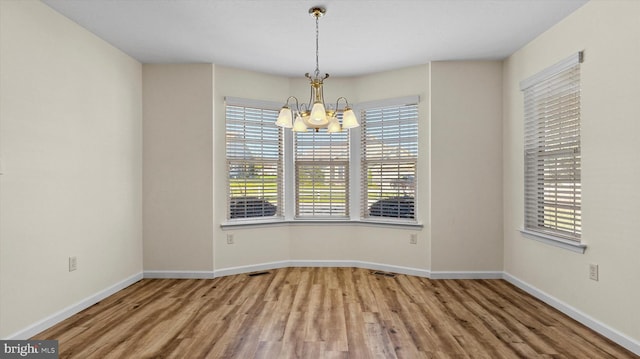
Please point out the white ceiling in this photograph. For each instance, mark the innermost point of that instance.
(278, 36)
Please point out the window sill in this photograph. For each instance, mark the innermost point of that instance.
(307, 222)
(555, 241)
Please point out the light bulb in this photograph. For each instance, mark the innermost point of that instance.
(334, 125)
(284, 118)
(318, 114)
(299, 125)
(349, 119)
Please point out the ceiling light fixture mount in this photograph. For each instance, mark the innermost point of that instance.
(317, 12)
(315, 114)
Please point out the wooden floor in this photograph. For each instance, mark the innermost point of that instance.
(325, 313)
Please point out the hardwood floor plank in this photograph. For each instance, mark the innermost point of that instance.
(293, 336)
(356, 339)
(268, 350)
(325, 313)
(378, 341)
(364, 293)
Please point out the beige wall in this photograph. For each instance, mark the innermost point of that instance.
(609, 33)
(70, 146)
(178, 162)
(466, 166)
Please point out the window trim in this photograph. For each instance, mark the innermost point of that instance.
(340, 222)
(302, 161)
(379, 104)
(578, 247)
(573, 243)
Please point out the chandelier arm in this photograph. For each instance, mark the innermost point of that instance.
(296, 99)
(345, 100)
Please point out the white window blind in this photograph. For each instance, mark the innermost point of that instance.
(389, 157)
(322, 174)
(552, 150)
(254, 160)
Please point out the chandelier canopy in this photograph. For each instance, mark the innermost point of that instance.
(315, 114)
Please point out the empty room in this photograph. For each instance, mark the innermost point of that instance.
(184, 179)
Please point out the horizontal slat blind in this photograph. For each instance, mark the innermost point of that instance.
(552, 154)
(254, 162)
(322, 174)
(389, 156)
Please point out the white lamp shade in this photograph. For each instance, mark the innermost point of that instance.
(349, 119)
(318, 114)
(285, 118)
(334, 125)
(299, 125)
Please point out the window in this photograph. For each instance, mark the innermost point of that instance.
(322, 174)
(389, 157)
(279, 175)
(254, 159)
(552, 151)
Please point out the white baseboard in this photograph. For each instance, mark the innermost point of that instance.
(466, 275)
(604, 330)
(250, 268)
(67, 312)
(362, 264)
(322, 263)
(156, 274)
(325, 263)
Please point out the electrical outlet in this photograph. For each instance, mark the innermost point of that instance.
(593, 272)
(413, 238)
(229, 238)
(73, 263)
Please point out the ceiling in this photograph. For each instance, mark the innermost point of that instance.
(278, 36)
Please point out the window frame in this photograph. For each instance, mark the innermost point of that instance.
(332, 152)
(552, 155)
(410, 106)
(261, 106)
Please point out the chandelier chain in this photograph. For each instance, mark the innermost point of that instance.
(317, 72)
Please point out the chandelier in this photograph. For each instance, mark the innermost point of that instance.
(315, 114)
